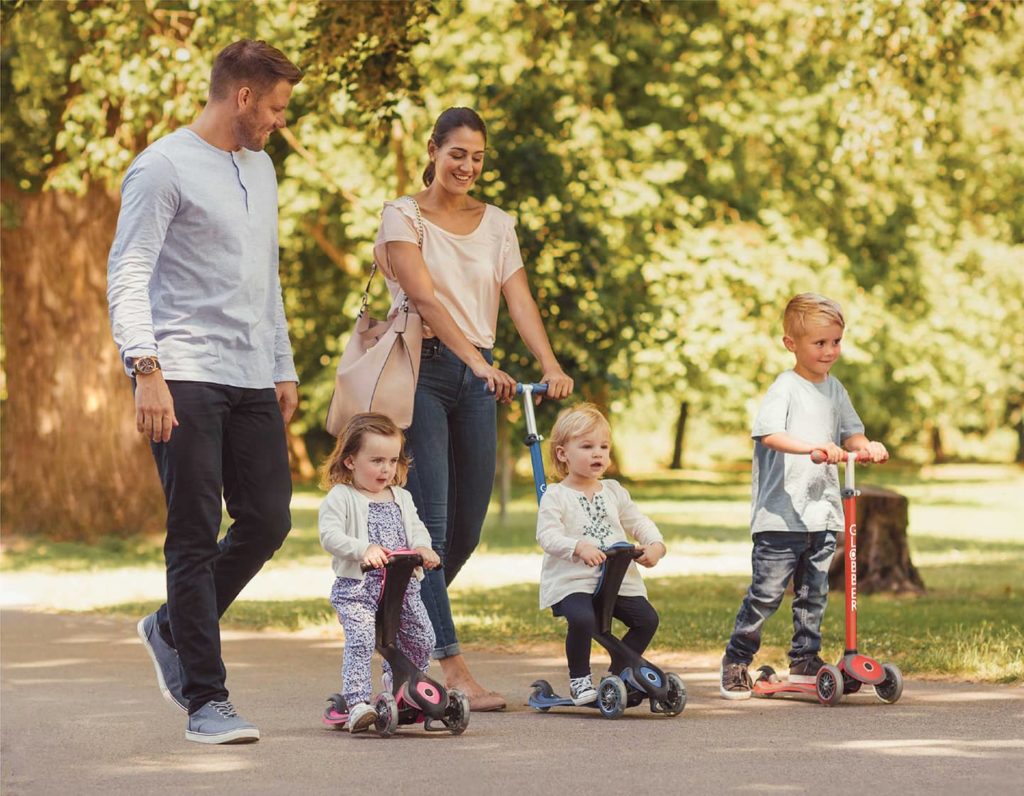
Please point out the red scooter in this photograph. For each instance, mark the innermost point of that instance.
(854, 670)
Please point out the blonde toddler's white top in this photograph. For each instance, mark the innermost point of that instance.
(467, 270)
(566, 516)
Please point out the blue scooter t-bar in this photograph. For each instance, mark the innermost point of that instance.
(533, 439)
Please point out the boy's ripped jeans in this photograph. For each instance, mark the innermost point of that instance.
(777, 557)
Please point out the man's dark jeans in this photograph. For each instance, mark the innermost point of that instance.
(230, 440)
(777, 557)
(453, 445)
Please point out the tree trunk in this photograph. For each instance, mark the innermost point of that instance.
(883, 557)
(677, 446)
(74, 467)
(1020, 435)
(938, 450)
(602, 400)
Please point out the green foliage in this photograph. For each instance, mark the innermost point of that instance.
(677, 170)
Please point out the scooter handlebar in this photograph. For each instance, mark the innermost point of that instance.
(536, 389)
(818, 456)
(392, 557)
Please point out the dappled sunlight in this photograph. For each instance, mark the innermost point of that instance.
(935, 747)
(971, 696)
(55, 681)
(48, 663)
(211, 760)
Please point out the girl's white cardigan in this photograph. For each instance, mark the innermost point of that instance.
(344, 527)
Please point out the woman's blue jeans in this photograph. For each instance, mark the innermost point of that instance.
(453, 445)
(777, 557)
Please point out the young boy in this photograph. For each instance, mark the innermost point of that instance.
(796, 507)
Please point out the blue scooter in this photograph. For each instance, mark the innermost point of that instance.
(638, 679)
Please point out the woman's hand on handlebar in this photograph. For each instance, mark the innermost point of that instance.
(375, 556)
(431, 560)
(559, 385)
(498, 382)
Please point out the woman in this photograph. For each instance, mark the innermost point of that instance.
(469, 259)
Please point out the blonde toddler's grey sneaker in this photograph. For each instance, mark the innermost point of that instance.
(217, 722)
(165, 660)
(581, 690)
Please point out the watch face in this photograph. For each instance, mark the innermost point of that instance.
(146, 365)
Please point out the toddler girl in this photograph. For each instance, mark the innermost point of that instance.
(364, 517)
(579, 517)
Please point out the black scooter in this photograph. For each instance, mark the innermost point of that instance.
(414, 698)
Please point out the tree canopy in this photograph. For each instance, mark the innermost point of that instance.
(677, 171)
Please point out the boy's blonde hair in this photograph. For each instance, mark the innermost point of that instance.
(333, 471)
(810, 308)
(575, 421)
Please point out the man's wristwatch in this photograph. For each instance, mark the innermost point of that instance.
(143, 366)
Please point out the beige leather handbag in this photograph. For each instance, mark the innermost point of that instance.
(381, 362)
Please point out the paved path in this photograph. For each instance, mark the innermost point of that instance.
(81, 714)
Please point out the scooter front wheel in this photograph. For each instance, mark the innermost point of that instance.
(387, 715)
(829, 685)
(611, 697)
(891, 688)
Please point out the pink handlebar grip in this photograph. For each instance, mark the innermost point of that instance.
(818, 456)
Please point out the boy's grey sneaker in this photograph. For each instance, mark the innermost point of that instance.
(217, 722)
(805, 671)
(735, 680)
(361, 717)
(165, 660)
(581, 690)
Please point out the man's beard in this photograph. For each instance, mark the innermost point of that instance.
(247, 132)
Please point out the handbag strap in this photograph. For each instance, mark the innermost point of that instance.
(373, 268)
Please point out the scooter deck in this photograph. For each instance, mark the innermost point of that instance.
(769, 689)
(547, 701)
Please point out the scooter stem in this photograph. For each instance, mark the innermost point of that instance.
(850, 552)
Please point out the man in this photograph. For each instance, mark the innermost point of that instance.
(196, 310)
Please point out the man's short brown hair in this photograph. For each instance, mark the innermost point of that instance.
(250, 63)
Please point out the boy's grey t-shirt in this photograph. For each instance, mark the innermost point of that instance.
(790, 492)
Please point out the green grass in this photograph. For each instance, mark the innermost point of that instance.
(968, 625)
(964, 537)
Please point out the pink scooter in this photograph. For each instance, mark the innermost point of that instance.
(854, 670)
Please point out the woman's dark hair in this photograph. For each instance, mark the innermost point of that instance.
(452, 119)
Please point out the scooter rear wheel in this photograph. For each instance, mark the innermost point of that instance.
(829, 685)
(611, 697)
(891, 688)
(676, 701)
(456, 714)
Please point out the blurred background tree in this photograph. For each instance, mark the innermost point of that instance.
(677, 170)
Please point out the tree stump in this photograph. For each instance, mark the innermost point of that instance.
(883, 556)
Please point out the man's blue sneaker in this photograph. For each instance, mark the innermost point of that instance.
(217, 722)
(165, 660)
